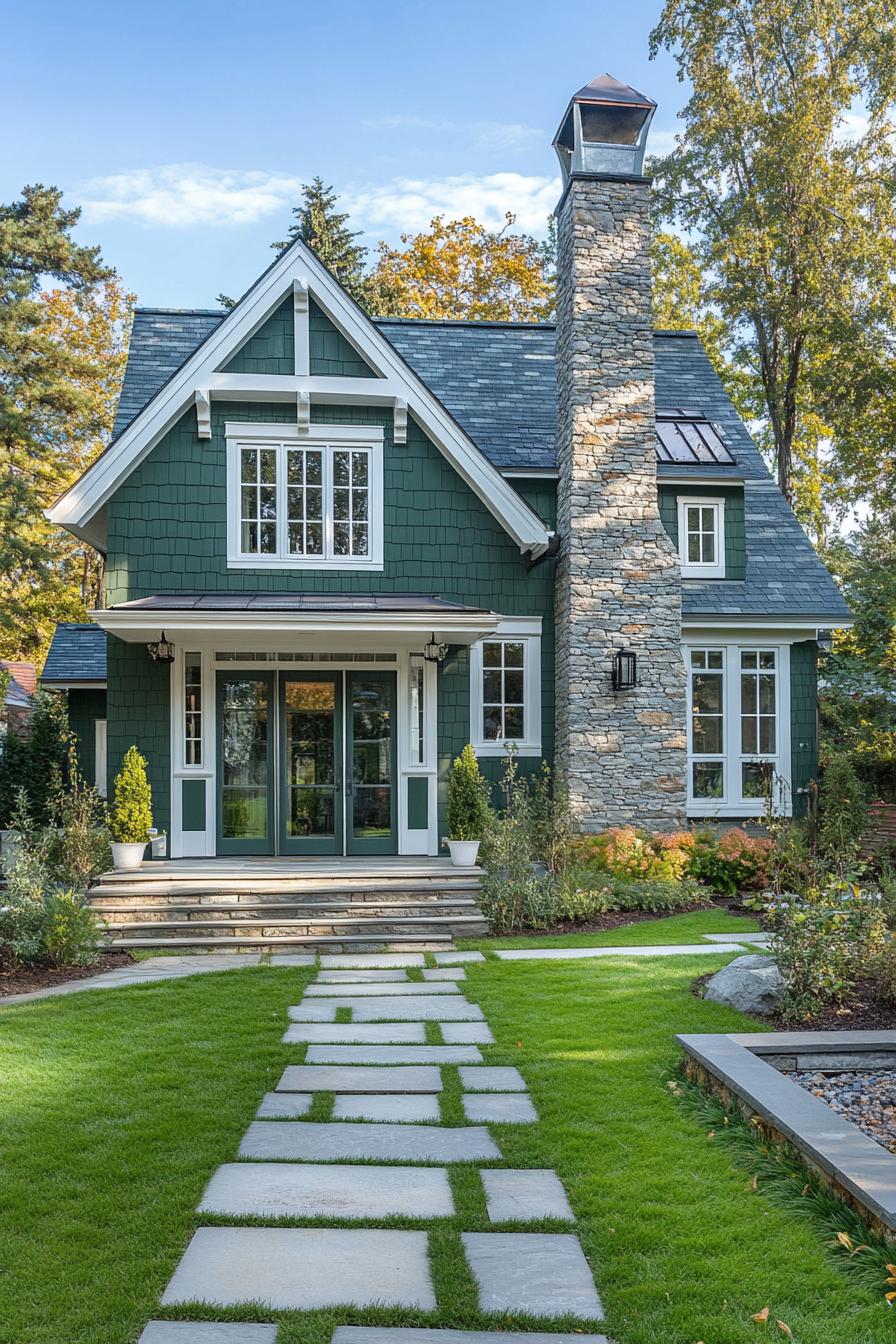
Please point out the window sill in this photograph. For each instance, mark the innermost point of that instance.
(711, 572)
(499, 749)
(708, 809)
(318, 562)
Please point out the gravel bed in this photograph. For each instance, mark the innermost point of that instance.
(867, 1099)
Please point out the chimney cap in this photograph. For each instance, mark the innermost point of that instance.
(604, 89)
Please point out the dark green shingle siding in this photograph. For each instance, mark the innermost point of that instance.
(84, 708)
(271, 349)
(803, 720)
(330, 353)
(137, 713)
(735, 531)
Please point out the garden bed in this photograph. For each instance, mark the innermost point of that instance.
(861, 1012)
(25, 979)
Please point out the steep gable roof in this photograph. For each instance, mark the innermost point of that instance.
(77, 654)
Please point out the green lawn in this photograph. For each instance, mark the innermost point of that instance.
(673, 929)
(118, 1105)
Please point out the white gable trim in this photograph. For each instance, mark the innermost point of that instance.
(75, 509)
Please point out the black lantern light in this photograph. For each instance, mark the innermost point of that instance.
(434, 652)
(162, 652)
(625, 670)
(825, 641)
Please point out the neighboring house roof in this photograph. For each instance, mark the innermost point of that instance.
(498, 380)
(23, 673)
(16, 696)
(77, 654)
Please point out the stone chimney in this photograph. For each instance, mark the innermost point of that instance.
(622, 752)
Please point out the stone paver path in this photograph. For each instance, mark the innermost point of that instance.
(381, 1145)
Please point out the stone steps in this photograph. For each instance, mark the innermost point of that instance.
(309, 932)
(119, 912)
(236, 890)
(342, 942)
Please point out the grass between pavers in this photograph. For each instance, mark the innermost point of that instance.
(122, 1103)
(688, 928)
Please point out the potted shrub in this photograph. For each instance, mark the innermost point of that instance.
(130, 815)
(468, 809)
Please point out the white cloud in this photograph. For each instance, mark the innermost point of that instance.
(408, 204)
(185, 195)
(179, 195)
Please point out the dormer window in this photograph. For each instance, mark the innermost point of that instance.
(312, 501)
(701, 538)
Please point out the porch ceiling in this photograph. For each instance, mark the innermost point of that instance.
(380, 617)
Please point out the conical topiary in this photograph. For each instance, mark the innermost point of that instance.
(130, 815)
(468, 807)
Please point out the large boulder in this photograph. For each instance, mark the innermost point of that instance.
(751, 984)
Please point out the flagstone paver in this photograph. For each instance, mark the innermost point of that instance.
(207, 1332)
(361, 977)
(491, 1079)
(539, 1273)
(283, 1105)
(396, 1106)
(343, 1140)
(303, 1268)
(498, 1108)
(449, 1008)
(452, 958)
(319, 1190)
(393, 1334)
(577, 953)
(319, 1010)
(360, 1033)
(460, 1033)
(393, 1054)
(444, 973)
(524, 1196)
(354, 1078)
(354, 961)
(366, 991)
(293, 959)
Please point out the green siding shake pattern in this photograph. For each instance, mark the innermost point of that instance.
(735, 530)
(271, 349)
(84, 708)
(803, 720)
(167, 533)
(137, 713)
(330, 353)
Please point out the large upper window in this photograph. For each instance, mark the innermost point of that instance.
(505, 690)
(305, 503)
(736, 744)
(701, 538)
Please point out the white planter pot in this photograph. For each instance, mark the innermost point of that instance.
(464, 852)
(128, 857)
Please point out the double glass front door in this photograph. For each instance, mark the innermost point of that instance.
(306, 763)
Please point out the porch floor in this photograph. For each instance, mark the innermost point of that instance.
(327, 866)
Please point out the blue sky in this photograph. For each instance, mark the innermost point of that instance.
(185, 130)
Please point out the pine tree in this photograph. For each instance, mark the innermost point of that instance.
(324, 229)
(48, 382)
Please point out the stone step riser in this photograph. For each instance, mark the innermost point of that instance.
(343, 943)
(122, 914)
(241, 932)
(359, 889)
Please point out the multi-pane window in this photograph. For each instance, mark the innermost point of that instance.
(306, 504)
(192, 709)
(305, 501)
(503, 690)
(707, 706)
(758, 719)
(701, 539)
(735, 739)
(258, 501)
(351, 502)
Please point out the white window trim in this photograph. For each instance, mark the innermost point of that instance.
(527, 631)
(100, 756)
(320, 437)
(732, 804)
(691, 569)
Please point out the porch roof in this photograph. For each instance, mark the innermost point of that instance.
(377, 615)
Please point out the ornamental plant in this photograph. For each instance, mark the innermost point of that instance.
(627, 852)
(130, 815)
(468, 806)
(844, 813)
(731, 862)
(823, 941)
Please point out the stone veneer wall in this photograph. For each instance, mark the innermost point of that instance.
(618, 582)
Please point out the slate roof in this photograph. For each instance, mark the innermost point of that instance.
(498, 380)
(77, 653)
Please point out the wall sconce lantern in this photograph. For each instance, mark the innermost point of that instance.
(625, 670)
(433, 652)
(162, 652)
(825, 641)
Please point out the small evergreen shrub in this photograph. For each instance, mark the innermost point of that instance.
(823, 941)
(587, 892)
(468, 813)
(71, 932)
(130, 816)
(883, 968)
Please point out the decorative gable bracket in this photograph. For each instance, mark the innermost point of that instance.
(203, 414)
(303, 411)
(400, 418)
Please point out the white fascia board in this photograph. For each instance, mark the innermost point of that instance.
(78, 505)
(285, 387)
(136, 627)
(778, 627)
